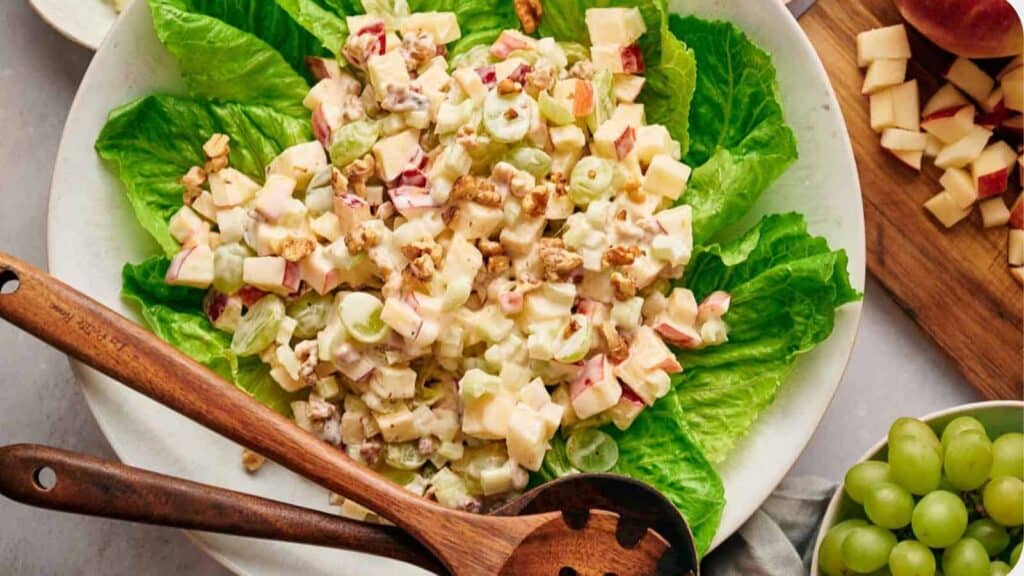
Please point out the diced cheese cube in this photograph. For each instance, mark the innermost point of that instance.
(487, 417)
(443, 27)
(387, 69)
(666, 177)
(393, 154)
(889, 42)
(883, 74)
(614, 25)
(397, 426)
(945, 209)
(391, 382)
(994, 212)
(527, 438)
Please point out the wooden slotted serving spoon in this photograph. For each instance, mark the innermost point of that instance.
(586, 542)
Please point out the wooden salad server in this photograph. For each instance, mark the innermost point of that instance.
(584, 543)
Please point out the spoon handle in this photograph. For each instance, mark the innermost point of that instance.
(85, 329)
(85, 485)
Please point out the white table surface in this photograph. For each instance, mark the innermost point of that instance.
(895, 370)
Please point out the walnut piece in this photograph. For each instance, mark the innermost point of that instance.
(473, 188)
(307, 353)
(509, 86)
(404, 98)
(252, 461)
(633, 191)
(421, 268)
(420, 247)
(417, 48)
(361, 238)
(558, 262)
(490, 247)
(529, 13)
(498, 265)
(217, 151)
(623, 286)
(536, 202)
(619, 255)
(193, 181)
(294, 249)
(358, 172)
(617, 348)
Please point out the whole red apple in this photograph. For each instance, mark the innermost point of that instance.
(969, 28)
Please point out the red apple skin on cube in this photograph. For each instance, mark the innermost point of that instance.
(946, 97)
(970, 28)
(292, 277)
(625, 142)
(632, 59)
(993, 184)
(583, 98)
(322, 68)
(950, 124)
(1017, 213)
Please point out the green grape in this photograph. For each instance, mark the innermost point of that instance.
(404, 456)
(965, 558)
(532, 160)
(911, 558)
(1008, 455)
(1015, 554)
(1004, 500)
(591, 450)
(507, 117)
(310, 312)
(957, 426)
(968, 459)
(889, 505)
(867, 549)
(830, 554)
(991, 535)
(591, 180)
(939, 519)
(228, 260)
(914, 465)
(863, 476)
(258, 327)
(914, 428)
(999, 568)
(554, 111)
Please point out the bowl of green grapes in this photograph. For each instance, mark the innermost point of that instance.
(939, 495)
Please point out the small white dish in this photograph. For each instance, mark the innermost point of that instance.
(84, 22)
(92, 233)
(998, 417)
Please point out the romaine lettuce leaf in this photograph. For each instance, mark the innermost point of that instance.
(222, 62)
(155, 140)
(739, 141)
(660, 450)
(175, 314)
(671, 69)
(786, 286)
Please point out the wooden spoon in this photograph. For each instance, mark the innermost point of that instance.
(467, 544)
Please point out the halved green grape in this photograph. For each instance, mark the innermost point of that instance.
(939, 519)
(258, 327)
(867, 549)
(532, 160)
(573, 348)
(554, 111)
(1008, 455)
(992, 536)
(360, 313)
(999, 568)
(591, 450)
(507, 117)
(915, 465)
(404, 456)
(863, 476)
(830, 554)
(311, 312)
(1003, 498)
(911, 558)
(591, 180)
(227, 267)
(958, 425)
(914, 428)
(1015, 554)
(968, 459)
(352, 141)
(889, 505)
(965, 558)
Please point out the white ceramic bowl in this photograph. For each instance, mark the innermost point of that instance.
(999, 417)
(92, 233)
(85, 22)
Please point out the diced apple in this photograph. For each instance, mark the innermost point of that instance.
(300, 163)
(903, 140)
(1018, 274)
(889, 43)
(947, 97)
(666, 177)
(582, 98)
(964, 151)
(192, 267)
(1017, 213)
(1013, 88)
(487, 417)
(231, 188)
(398, 426)
(470, 83)
(896, 107)
(627, 87)
(991, 169)
(443, 27)
(1015, 248)
(274, 200)
(326, 118)
(614, 25)
(204, 206)
(1013, 64)
(331, 91)
(910, 159)
(993, 101)
(950, 124)
(474, 221)
(394, 153)
(994, 212)
(527, 438)
(945, 209)
(319, 272)
(966, 75)
(932, 146)
(187, 227)
(401, 317)
(322, 68)
(232, 224)
(595, 389)
(960, 186)
(568, 137)
(883, 74)
(509, 41)
(271, 274)
(387, 70)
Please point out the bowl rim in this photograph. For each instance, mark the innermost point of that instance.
(833, 506)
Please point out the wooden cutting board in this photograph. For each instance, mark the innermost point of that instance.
(954, 283)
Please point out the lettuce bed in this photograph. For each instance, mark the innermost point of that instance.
(243, 64)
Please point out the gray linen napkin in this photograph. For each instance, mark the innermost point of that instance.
(778, 540)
